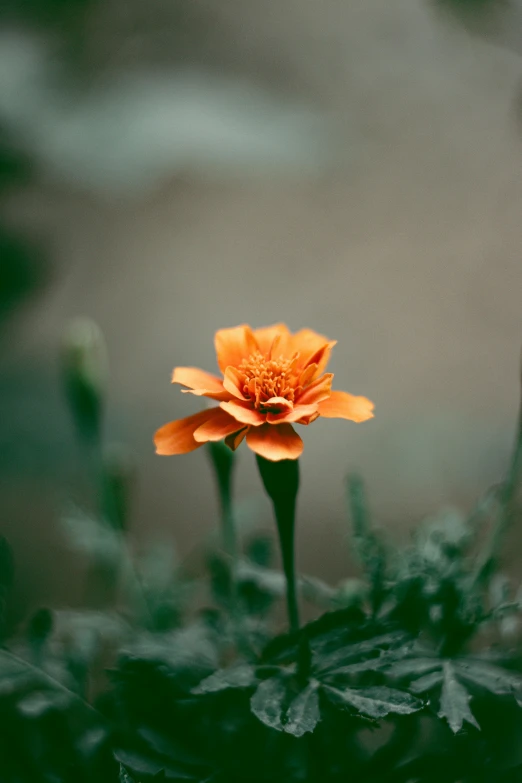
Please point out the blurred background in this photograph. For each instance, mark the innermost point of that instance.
(173, 167)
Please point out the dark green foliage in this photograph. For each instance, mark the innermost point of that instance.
(405, 678)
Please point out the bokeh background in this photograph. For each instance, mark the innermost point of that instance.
(172, 167)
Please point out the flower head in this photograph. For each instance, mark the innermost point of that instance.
(271, 380)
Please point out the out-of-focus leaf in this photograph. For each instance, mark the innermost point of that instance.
(186, 656)
(22, 269)
(40, 626)
(118, 478)
(266, 579)
(15, 673)
(454, 701)
(85, 372)
(85, 632)
(368, 544)
(38, 703)
(260, 549)
(374, 702)
(92, 537)
(240, 676)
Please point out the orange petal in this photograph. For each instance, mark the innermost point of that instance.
(234, 345)
(298, 412)
(217, 426)
(244, 412)
(201, 383)
(234, 440)
(341, 405)
(177, 437)
(278, 405)
(321, 357)
(307, 342)
(275, 443)
(307, 375)
(233, 382)
(308, 419)
(317, 391)
(266, 336)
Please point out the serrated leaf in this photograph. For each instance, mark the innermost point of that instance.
(485, 675)
(427, 682)
(303, 714)
(454, 701)
(268, 702)
(124, 776)
(375, 702)
(411, 667)
(147, 766)
(241, 676)
(353, 653)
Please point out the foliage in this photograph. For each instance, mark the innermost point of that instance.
(411, 674)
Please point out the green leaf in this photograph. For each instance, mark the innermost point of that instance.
(347, 654)
(40, 626)
(268, 702)
(124, 775)
(485, 675)
(454, 701)
(38, 703)
(85, 373)
(260, 549)
(411, 667)
(276, 705)
(241, 676)
(92, 537)
(369, 547)
(375, 702)
(141, 764)
(15, 674)
(427, 682)
(118, 479)
(303, 713)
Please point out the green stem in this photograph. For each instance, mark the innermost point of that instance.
(281, 481)
(223, 460)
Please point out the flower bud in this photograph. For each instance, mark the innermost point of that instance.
(85, 371)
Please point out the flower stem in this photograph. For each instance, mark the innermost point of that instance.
(281, 481)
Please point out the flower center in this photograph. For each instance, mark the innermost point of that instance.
(264, 379)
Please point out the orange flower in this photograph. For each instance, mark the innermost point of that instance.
(271, 380)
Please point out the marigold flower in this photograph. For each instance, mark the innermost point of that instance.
(271, 380)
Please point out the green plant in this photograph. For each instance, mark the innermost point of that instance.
(413, 674)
